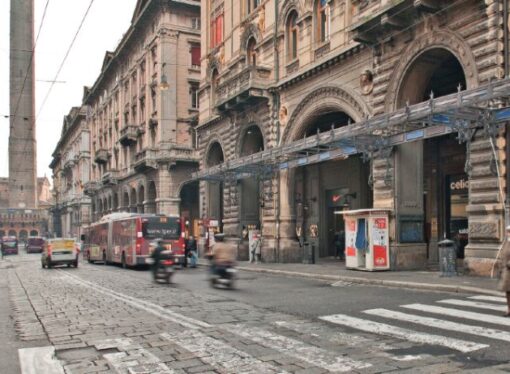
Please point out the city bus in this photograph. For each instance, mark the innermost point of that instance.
(96, 242)
(128, 238)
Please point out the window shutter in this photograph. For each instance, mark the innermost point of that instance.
(195, 55)
(219, 29)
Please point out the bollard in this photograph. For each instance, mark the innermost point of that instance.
(306, 247)
(447, 258)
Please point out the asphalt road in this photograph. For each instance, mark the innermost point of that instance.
(271, 322)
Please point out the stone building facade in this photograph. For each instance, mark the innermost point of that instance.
(71, 171)
(141, 108)
(273, 73)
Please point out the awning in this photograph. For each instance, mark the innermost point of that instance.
(462, 112)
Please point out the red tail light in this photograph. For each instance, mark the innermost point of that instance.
(168, 262)
(49, 250)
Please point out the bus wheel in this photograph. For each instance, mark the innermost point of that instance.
(124, 265)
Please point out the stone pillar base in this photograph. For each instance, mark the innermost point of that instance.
(480, 267)
(412, 256)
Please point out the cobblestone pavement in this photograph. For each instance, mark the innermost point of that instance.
(98, 321)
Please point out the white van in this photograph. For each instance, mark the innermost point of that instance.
(59, 251)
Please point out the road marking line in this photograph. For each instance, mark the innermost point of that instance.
(137, 361)
(495, 299)
(481, 317)
(219, 354)
(155, 309)
(474, 304)
(442, 324)
(351, 340)
(316, 356)
(39, 360)
(401, 333)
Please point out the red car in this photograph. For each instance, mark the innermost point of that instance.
(35, 245)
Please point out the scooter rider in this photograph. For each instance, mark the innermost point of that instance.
(222, 254)
(156, 256)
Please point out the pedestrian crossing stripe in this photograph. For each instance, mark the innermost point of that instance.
(218, 354)
(402, 333)
(441, 324)
(488, 318)
(474, 304)
(316, 356)
(495, 299)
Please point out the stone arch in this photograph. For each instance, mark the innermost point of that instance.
(23, 234)
(34, 233)
(12, 233)
(250, 31)
(100, 206)
(317, 102)
(152, 195)
(133, 200)
(442, 39)
(287, 8)
(213, 146)
(125, 200)
(115, 201)
(242, 138)
(141, 198)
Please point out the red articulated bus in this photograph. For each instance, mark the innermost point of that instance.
(130, 238)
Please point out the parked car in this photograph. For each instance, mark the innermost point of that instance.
(35, 245)
(9, 245)
(59, 251)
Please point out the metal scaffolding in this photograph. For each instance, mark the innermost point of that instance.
(464, 113)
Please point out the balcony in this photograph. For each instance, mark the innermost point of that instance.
(146, 160)
(128, 135)
(110, 178)
(101, 156)
(91, 187)
(248, 85)
(374, 20)
(174, 153)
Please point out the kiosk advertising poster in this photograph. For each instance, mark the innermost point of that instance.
(350, 239)
(379, 236)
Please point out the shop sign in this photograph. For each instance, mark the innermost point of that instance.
(459, 184)
(379, 236)
(337, 197)
(350, 237)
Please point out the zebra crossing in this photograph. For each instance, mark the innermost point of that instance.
(439, 329)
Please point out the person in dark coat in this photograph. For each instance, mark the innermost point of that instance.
(190, 249)
(156, 256)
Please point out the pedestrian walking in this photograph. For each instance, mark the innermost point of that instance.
(340, 244)
(191, 251)
(504, 284)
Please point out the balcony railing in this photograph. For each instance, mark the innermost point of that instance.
(172, 152)
(146, 160)
(250, 83)
(374, 19)
(128, 135)
(91, 187)
(101, 156)
(110, 178)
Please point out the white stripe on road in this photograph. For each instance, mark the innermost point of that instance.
(401, 333)
(488, 318)
(474, 304)
(349, 339)
(152, 308)
(322, 358)
(495, 299)
(218, 354)
(441, 324)
(39, 360)
(137, 361)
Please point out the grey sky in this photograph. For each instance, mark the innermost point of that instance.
(103, 29)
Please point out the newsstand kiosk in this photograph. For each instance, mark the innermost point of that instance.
(367, 239)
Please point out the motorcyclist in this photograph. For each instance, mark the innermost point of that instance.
(156, 256)
(223, 255)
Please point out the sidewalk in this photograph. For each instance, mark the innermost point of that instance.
(334, 271)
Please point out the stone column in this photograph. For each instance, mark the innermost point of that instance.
(289, 249)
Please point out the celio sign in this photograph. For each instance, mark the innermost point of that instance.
(461, 184)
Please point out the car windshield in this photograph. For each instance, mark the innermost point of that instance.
(161, 227)
(9, 244)
(37, 242)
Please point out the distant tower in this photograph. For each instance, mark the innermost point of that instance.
(22, 143)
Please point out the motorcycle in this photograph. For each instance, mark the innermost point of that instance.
(165, 269)
(223, 275)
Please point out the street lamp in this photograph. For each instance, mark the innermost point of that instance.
(163, 84)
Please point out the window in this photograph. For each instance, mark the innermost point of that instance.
(292, 36)
(216, 30)
(251, 5)
(251, 54)
(195, 55)
(195, 23)
(323, 20)
(193, 93)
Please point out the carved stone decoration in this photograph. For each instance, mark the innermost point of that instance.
(262, 19)
(484, 230)
(250, 30)
(221, 56)
(366, 82)
(283, 115)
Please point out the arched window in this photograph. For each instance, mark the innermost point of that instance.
(251, 54)
(323, 20)
(251, 5)
(292, 36)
